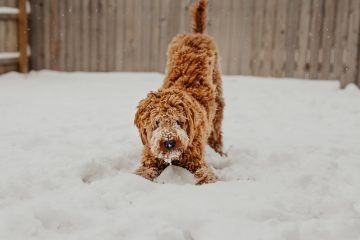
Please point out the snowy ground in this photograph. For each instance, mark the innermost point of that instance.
(68, 147)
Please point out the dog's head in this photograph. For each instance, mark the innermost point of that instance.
(166, 121)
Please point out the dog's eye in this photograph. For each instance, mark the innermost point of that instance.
(157, 123)
(179, 123)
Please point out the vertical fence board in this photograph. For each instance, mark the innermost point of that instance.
(84, 32)
(93, 35)
(10, 3)
(340, 38)
(352, 43)
(327, 39)
(155, 43)
(279, 50)
(41, 39)
(219, 28)
(163, 34)
(23, 37)
(173, 20)
(315, 38)
(77, 22)
(110, 18)
(2, 36)
(226, 26)
(138, 35)
(291, 36)
(304, 24)
(3, 27)
(8, 67)
(54, 35)
(129, 56)
(185, 21)
(120, 33)
(258, 32)
(46, 40)
(36, 35)
(145, 40)
(11, 29)
(69, 35)
(62, 35)
(235, 40)
(246, 23)
(269, 37)
(11, 34)
(102, 35)
(214, 27)
(169, 27)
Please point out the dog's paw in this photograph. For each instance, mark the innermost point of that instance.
(205, 176)
(223, 154)
(147, 173)
(207, 179)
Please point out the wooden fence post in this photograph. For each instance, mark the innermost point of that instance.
(23, 37)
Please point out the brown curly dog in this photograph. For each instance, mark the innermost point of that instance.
(178, 120)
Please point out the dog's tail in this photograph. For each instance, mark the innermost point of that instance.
(199, 13)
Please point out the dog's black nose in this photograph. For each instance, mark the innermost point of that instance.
(169, 144)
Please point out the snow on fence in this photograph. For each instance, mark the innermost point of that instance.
(13, 36)
(314, 39)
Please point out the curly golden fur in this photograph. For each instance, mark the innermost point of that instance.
(177, 121)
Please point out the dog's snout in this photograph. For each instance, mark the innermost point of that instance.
(169, 144)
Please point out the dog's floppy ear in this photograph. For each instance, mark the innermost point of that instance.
(142, 115)
(192, 116)
(139, 124)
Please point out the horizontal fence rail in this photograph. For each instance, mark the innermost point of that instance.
(313, 39)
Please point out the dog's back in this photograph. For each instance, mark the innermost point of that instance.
(192, 61)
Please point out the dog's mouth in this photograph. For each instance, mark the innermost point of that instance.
(170, 156)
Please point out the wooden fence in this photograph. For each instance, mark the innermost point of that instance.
(315, 39)
(13, 36)
(8, 37)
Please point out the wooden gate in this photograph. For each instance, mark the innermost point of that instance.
(13, 36)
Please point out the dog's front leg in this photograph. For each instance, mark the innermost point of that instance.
(150, 168)
(201, 170)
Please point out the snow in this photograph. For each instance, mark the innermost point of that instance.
(12, 10)
(9, 10)
(13, 55)
(68, 148)
(9, 55)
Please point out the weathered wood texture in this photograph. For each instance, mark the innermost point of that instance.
(313, 39)
(13, 36)
(8, 36)
(23, 37)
